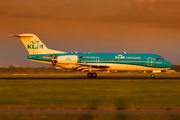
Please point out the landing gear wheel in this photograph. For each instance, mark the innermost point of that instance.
(89, 75)
(153, 75)
(94, 75)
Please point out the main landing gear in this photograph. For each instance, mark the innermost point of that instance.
(92, 75)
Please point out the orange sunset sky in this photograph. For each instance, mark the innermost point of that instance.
(112, 26)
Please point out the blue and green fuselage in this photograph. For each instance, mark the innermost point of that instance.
(110, 61)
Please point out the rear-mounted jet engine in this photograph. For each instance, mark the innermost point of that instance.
(65, 59)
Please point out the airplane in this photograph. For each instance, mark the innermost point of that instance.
(93, 62)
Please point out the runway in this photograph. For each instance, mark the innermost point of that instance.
(98, 78)
(89, 112)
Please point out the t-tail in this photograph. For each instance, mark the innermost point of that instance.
(34, 45)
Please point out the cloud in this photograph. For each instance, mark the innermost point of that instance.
(35, 9)
(162, 13)
(144, 0)
(159, 13)
(33, 16)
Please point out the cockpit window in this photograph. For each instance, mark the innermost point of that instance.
(159, 59)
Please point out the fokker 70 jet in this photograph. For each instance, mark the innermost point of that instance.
(92, 62)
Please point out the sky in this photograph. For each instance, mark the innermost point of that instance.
(98, 26)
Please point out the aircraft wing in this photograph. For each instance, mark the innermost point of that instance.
(86, 66)
(95, 65)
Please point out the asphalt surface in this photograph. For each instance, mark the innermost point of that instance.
(157, 78)
(89, 112)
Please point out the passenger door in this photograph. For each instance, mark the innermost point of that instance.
(149, 61)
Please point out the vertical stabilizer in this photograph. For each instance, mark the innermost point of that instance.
(34, 45)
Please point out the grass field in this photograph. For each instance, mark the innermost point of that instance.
(84, 94)
(88, 117)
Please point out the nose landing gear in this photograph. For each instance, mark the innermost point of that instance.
(153, 76)
(92, 75)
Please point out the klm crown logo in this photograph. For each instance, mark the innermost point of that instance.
(120, 57)
(34, 45)
(68, 59)
(35, 42)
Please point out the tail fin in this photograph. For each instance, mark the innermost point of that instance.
(34, 45)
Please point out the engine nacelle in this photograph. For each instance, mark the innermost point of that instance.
(68, 59)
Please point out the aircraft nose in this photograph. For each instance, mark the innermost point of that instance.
(169, 65)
